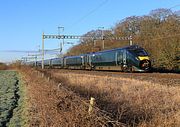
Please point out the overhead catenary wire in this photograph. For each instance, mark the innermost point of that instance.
(165, 37)
(177, 5)
(89, 13)
(20, 51)
(30, 51)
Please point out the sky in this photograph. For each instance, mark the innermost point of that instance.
(22, 22)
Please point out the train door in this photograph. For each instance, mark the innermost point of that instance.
(125, 67)
(89, 60)
(61, 62)
(49, 63)
(83, 62)
(64, 62)
(124, 57)
(119, 56)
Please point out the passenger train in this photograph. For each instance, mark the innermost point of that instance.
(128, 59)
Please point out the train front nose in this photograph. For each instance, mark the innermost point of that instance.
(145, 63)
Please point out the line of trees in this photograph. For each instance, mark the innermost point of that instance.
(158, 32)
(3, 66)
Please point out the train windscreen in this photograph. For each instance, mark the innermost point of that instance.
(140, 52)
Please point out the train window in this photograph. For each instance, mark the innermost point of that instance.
(140, 52)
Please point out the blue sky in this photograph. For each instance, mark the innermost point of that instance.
(23, 21)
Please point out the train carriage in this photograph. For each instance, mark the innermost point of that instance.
(74, 62)
(130, 58)
(47, 63)
(57, 63)
(39, 63)
(104, 60)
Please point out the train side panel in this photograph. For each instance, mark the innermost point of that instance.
(47, 63)
(57, 63)
(74, 62)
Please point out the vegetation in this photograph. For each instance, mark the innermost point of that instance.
(132, 102)
(158, 33)
(53, 104)
(10, 106)
(20, 112)
(3, 66)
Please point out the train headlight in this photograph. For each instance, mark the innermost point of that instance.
(143, 58)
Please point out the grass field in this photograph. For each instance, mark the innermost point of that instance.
(62, 99)
(51, 105)
(133, 102)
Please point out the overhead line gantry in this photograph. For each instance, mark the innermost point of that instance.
(44, 36)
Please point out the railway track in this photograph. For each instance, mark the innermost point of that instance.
(169, 79)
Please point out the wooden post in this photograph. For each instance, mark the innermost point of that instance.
(91, 104)
(48, 78)
(42, 51)
(59, 85)
(42, 75)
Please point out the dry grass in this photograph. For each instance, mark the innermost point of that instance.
(133, 102)
(50, 105)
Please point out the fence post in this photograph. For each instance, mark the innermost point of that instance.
(48, 78)
(42, 74)
(91, 104)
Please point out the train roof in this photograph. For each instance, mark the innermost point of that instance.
(55, 58)
(132, 47)
(74, 56)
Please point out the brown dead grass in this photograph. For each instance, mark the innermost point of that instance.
(50, 105)
(133, 102)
